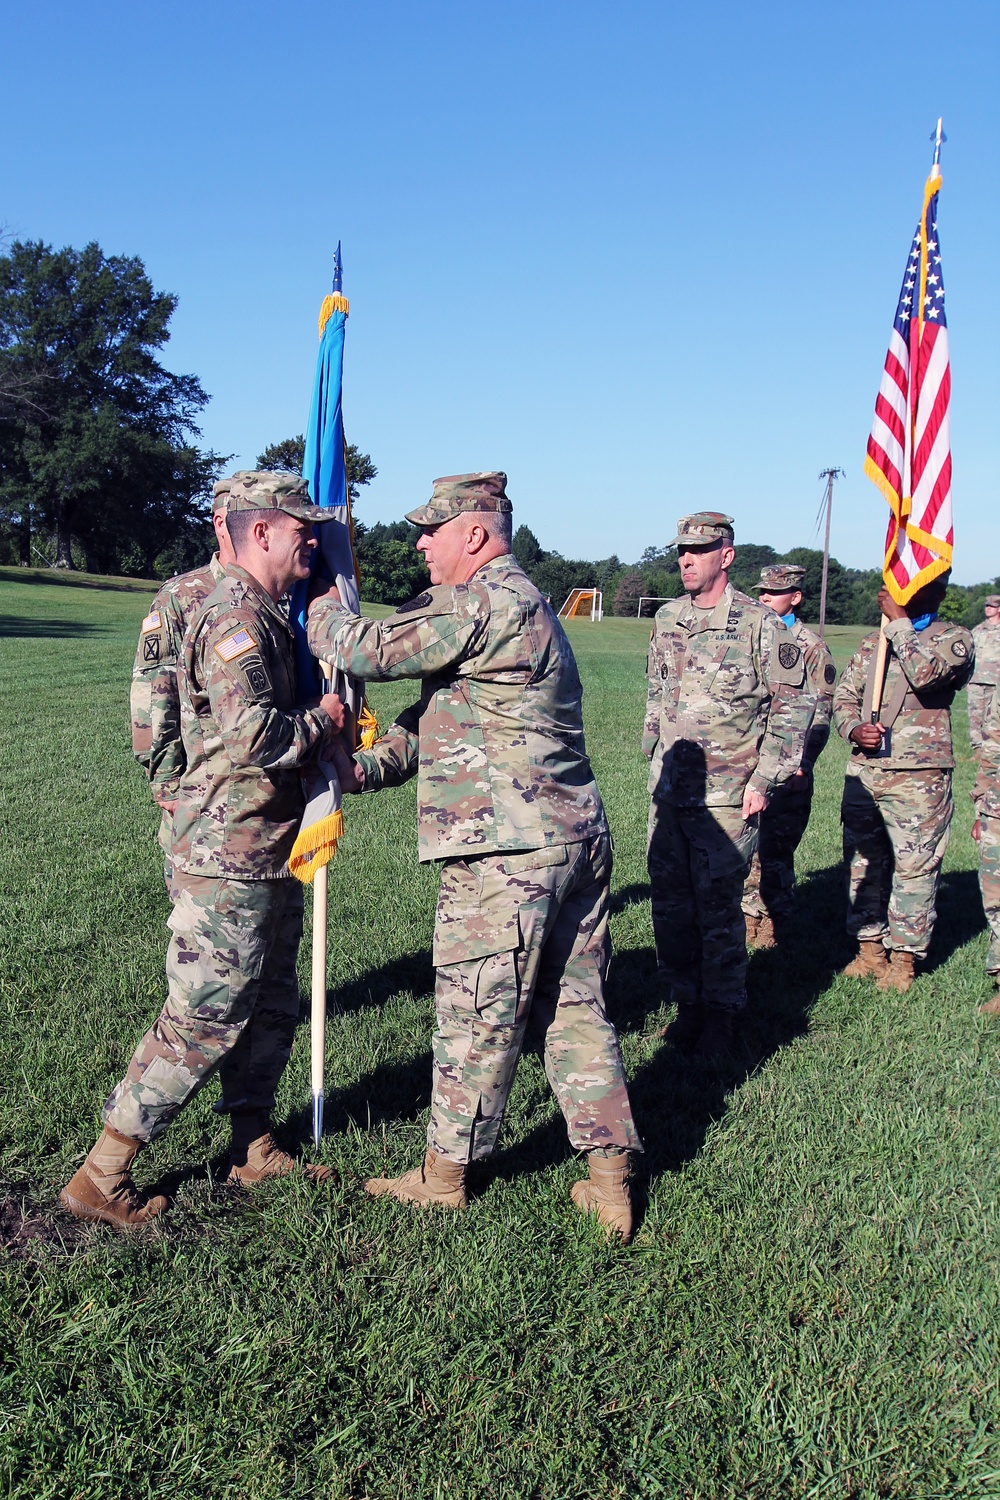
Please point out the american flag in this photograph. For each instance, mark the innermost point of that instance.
(909, 450)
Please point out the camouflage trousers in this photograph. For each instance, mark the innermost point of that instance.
(770, 885)
(978, 698)
(521, 947)
(989, 885)
(698, 860)
(896, 826)
(232, 1003)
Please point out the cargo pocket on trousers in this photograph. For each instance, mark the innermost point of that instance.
(214, 962)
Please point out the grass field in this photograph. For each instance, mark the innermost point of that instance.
(809, 1309)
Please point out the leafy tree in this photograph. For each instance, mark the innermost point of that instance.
(954, 604)
(631, 586)
(290, 454)
(391, 568)
(526, 548)
(557, 577)
(101, 448)
(839, 594)
(750, 558)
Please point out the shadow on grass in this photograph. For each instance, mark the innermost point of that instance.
(677, 1098)
(69, 579)
(22, 626)
(411, 971)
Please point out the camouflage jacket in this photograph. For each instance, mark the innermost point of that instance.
(496, 739)
(240, 798)
(925, 670)
(821, 678)
(727, 704)
(986, 638)
(986, 792)
(156, 714)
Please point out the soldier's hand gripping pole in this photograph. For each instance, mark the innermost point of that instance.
(878, 671)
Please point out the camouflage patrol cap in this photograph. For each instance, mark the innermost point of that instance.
(274, 489)
(703, 529)
(993, 599)
(781, 578)
(457, 493)
(221, 488)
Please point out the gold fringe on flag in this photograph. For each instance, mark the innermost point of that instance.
(315, 846)
(368, 730)
(332, 302)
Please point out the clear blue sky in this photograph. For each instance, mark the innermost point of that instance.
(644, 257)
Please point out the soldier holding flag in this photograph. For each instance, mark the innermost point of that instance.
(893, 704)
(508, 804)
(232, 991)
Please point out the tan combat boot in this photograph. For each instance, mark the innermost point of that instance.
(438, 1180)
(255, 1155)
(871, 962)
(103, 1190)
(899, 972)
(607, 1194)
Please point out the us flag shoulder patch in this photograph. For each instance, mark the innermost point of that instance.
(151, 622)
(234, 645)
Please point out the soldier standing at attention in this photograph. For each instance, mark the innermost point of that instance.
(897, 802)
(769, 893)
(726, 720)
(986, 676)
(232, 991)
(508, 803)
(986, 832)
(155, 705)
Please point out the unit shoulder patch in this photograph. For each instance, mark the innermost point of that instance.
(959, 649)
(256, 675)
(788, 655)
(829, 674)
(234, 645)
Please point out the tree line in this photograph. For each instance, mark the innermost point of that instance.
(851, 597)
(100, 466)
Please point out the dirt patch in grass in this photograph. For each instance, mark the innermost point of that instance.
(23, 1231)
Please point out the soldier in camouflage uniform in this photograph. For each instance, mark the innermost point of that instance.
(232, 991)
(986, 831)
(154, 701)
(987, 673)
(726, 718)
(769, 893)
(897, 804)
(508, 803)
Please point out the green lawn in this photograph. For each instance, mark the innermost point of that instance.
(809, 1309)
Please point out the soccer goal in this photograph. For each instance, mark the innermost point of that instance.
(651, 599)
(583, 604)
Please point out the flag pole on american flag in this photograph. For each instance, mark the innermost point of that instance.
(909, 448)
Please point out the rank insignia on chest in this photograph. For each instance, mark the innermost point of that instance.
(234, 645)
